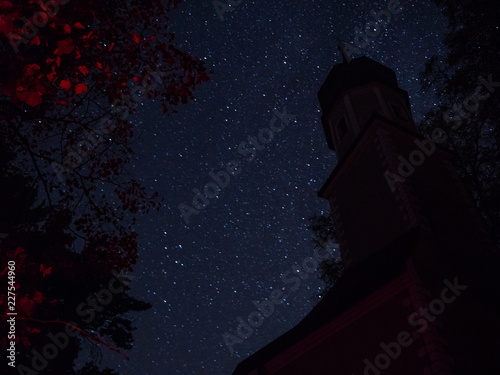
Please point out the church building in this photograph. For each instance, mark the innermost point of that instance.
(421, 288)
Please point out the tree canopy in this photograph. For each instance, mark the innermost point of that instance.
(71, 75)
(466, 79)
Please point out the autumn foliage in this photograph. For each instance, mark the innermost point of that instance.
(30, 300)
(70, 69)
(72, 73)
(54, 54)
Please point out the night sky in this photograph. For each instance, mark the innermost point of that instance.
(201, 277)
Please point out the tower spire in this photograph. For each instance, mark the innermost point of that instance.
(341, 47)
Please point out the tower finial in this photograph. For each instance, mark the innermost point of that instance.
(341, 47)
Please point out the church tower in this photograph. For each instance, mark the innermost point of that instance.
(389, 179)
(420, 294)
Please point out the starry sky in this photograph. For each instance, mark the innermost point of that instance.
(201, 277)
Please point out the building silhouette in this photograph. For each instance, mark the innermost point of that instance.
(420, 292)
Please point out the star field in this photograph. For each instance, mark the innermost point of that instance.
(201, 277)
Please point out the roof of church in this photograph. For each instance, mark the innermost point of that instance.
(356, 284)
(347, 75)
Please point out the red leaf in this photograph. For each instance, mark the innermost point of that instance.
(64, 47)
(41, 89)
(31, 69)
(38, 297)
(83, 69)
(45, 270)
(62, 102)
(99, 65)
(136, 38)
(78, 25)
(5, 4)
(26, 306)
(111, 46)
(65, 84)
(7, 26)
(33, 99)
(52, 76)
(81, 87)
(19, 250)
(35, 41)
(26, 342)
(67, 29)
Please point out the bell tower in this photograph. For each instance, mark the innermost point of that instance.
(389, 179)
(353, 92)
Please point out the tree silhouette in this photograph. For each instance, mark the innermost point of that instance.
(71, 74)
(67, 90)
(466, 80)
(324, 236)
(52, 282)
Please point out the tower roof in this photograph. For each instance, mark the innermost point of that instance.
(347, 75)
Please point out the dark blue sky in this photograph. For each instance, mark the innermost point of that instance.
(201, 277)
